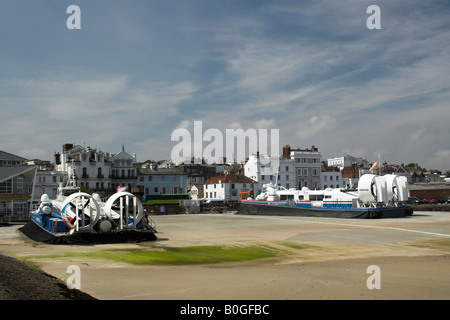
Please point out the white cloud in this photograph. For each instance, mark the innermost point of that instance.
(100, 110)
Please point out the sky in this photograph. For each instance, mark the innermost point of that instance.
(138, 70)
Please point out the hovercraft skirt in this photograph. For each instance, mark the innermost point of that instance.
(360, 213)
(38, 234)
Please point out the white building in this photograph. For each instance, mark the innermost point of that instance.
(344, 161)
(95, 170)
(331, 177)
(263, 169)
(47, 181)
(91, 168)
(307, 166)
(297, 168)
(227, 187)
(124, 169)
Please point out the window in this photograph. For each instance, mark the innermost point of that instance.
(305, 172)
(19, 184)
(299, 172)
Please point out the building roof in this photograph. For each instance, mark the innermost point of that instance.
(9, 156)
(9, 172)
(229, 178)
(162, 171)
(122, 154)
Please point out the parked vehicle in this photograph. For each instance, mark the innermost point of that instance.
(414, 200)
(430, 201)
(443, 199)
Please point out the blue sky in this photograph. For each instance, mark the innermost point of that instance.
(138, 70)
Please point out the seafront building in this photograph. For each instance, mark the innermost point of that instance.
(23, 181)
(331, 177)
(95, 170)
(16, 187)
(296, 168)
(157, 180)
(344, 161)
(227, 187)
(265, 169)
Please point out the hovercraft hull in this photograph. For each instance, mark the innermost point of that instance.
(360, 213)
(37, 233)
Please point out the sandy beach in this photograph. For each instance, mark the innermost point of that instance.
(321, 258)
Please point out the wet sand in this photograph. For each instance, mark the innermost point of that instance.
(413, 256)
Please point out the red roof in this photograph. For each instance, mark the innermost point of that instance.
(229, 178)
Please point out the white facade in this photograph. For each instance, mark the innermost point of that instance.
(332, 179)
(307, 166)
(228, 189)
(47, 181)
(270, 170)
(123, 171)
(95, 170)
(344, 161)
(298, 168)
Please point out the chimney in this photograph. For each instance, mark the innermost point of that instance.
(67, 146)
(57, 158)
(355, 170)
(286, 151)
